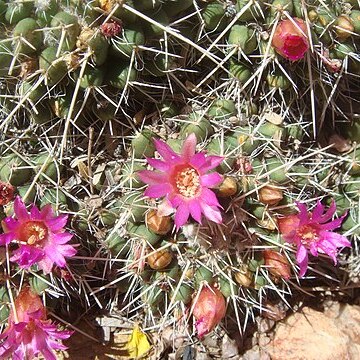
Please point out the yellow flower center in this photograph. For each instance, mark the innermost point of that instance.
(307, 233)
(33, 233)
(187, 181)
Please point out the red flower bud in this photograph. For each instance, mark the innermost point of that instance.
(209, 309)
(111, 29)
(290, 39)
(6, 193)
(277, 264)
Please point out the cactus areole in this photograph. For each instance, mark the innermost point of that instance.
(290, 39)
(184, 181)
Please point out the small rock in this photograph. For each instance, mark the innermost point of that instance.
(263, 340)
(265, 325)
(313, 335)
(264, 355)
(348, 319)
(202, 356)
(252, 354)
(229, 348)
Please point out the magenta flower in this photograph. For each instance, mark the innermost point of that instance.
(290, 39)
(313, 231)
(29, 333)
(40, 235)
(184, 181)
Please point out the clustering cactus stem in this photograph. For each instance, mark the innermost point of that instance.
(185, 140)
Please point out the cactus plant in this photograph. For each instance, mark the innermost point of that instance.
(109, 106)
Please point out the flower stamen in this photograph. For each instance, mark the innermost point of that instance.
(33, 233)
(307, 234)
(188, 182)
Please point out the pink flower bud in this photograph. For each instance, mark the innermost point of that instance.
(290, 39)
(209, 309)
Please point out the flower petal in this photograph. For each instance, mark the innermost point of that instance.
(318, 211)
(6, 239)
(198, 160)
(26, 256)
(333, 224)
(182, 215)
(67, 250)
(211, 163)
(47, 212)
(188, 148)
(57, 223)
(57, 257)
(303, 214)
(158, 190)
(10, 224)
(211, 212)
(302, 259)
(35, 213)
(152, 177)
(165, 151)
(329, 213)
(313, 249)
(20, 209)
(209, 197)
(165, 208)
(46, 265)
(336, 239)
(328, 248)
(62, 238)
(158, 164)
(211, 179)
(195, 210)
(175, 200)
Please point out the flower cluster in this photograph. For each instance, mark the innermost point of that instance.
(40, 236)
(184, 181)
(29, 333)
(290, 39)
(312, 231)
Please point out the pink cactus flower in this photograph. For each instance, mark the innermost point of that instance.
(29, 333)
(184, 181)
(312, 231)
(209, 309)
(290, 39)
(40, 235)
